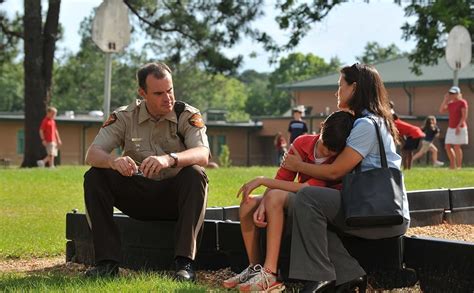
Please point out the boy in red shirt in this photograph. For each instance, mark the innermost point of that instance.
(49, 137)
(412, 135)
(269, 210)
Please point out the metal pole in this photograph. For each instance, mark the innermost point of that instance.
(107, 83)
(456, 78)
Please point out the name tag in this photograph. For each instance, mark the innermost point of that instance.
(137, 141)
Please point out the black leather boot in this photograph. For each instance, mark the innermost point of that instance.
(184, 269)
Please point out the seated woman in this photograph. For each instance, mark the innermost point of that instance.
(317, 254)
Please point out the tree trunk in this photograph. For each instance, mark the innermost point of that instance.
(38, 63)
(50, 35)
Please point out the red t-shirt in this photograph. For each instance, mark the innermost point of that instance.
(454, 109)
(48, 126)
(304, 145)
(406, 129)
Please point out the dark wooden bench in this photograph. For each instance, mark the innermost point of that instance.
(150, 245)
(462, 206)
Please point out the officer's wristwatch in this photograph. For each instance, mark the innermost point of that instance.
(175, 157)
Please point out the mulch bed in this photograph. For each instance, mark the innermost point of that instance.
(445, 231)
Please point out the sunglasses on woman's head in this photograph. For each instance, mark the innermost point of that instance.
(356, 67)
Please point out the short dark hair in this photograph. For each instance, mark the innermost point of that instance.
(157, 69)
(336, 128)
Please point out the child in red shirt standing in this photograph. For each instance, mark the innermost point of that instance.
(269, 210)
(49, 137)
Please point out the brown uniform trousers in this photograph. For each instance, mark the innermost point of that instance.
(182, 198)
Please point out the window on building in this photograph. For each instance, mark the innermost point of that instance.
(20, 141)
(220, 142)
(211, 145)
(215, 143)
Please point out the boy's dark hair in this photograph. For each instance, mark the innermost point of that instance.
(157, 69)
(336, 128)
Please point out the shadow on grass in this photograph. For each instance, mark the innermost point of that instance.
(69, 277)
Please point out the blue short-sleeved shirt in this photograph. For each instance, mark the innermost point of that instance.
(363, 139)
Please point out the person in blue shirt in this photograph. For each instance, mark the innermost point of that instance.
(297, 126)
(317, 254)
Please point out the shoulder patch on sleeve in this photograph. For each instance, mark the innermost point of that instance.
(196, 120)
(112, 118)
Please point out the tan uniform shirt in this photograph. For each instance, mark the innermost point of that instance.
(140, 135)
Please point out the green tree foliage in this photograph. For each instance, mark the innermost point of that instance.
(257, 85)
(374, 53)
(11, 96)
(210, 91)
(295, 67)
(10, 35)
(79, 83)
(11, 71)
(434, 20)
(197, 31)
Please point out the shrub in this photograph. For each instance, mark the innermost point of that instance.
(224, 157)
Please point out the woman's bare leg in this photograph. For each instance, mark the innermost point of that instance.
(458, 152)
(434, 153)
(451, 156)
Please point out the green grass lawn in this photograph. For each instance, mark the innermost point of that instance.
(34, 202)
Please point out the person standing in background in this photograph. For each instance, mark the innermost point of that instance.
(280, 146)
(297, 126)
(49, 138)
(456, 135)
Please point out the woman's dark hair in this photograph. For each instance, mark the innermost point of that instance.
(370, 94)
(336, 128)
(392, 110)
(157, 69)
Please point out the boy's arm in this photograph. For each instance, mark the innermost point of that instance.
(41, 133)
(285, 174)
(58, 138)
(290, 186)
(253, 184)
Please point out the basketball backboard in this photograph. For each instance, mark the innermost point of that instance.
(111, 27)
(458, 48)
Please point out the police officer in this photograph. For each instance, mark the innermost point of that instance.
(158, 177)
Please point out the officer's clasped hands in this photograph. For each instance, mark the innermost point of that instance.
(124, 165)
(153, 164)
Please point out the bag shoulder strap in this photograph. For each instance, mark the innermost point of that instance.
(383, 156)
(179, 109)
